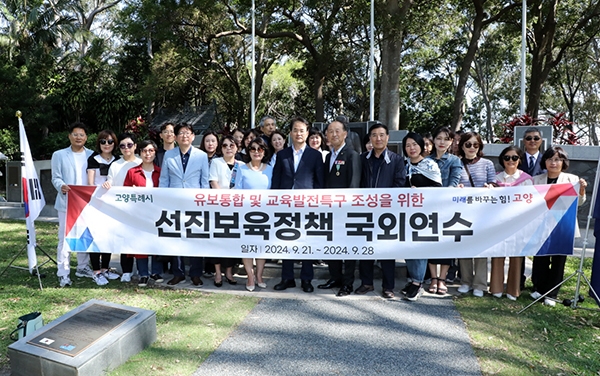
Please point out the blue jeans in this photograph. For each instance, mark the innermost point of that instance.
(416, 269)
(142, 266)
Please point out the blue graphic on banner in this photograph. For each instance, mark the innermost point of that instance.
(561, 240)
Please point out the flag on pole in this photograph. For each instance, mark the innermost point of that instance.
(33, 197)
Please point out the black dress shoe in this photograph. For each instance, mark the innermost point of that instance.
(197, 281)
(307, 286)
(284, 284)
(345, 291)
(363, 289)
(231, 281)
(388, 294)
(176, 280)
(330, 284)
(219, 284)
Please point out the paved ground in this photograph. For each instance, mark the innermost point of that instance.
(365, 336)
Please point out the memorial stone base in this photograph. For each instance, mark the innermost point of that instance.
(92, 339)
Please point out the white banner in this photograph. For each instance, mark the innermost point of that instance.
(392, 223)
(33, 197)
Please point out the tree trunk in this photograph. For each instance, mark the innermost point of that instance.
(465, 68)
(389, 102)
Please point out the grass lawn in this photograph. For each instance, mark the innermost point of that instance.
(539, 341)
(190, 324)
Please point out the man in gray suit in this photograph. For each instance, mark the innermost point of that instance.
(69, 168)
(185, 167)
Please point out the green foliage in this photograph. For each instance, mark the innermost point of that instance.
(9, 144)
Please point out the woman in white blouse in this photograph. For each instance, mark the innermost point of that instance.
(222, 176)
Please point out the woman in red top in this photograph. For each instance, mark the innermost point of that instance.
(144, 175)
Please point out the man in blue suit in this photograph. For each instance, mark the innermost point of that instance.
(69, 168)
(298, 167)
(185, 167)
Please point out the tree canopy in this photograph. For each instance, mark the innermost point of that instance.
(453, 64)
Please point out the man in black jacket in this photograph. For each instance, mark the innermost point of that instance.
(381, 168)
(342, 170)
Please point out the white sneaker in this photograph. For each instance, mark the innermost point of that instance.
(510, 297)
(109, 274)
(126, 277)
(478, 293)
(100, 279)
(64, 281)
(496, 295)
(549, 302)
(463, 289)
(86, 272)
(535, 295)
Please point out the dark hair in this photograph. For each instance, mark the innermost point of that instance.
(427, 137)
(344, 120)
(316, 132)
(217, 149)
(378, 125)
(466, 137)
(551, 152)
(165, 125)
(261, 143)
(299, 119)
(417, 138)
(103, 135)
(78, 124)
(439, 130)
(181, 126)
(532, 130)
(125, 135)
(145, 144)
(285, 141)
(223, 139)
(365, 141)
(241, 130)
(255, 132)
(514, 148)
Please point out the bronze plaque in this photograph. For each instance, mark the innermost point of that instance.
(81, 330)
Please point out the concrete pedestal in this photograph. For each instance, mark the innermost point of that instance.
(77, 352)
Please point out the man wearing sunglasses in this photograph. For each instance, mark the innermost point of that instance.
(69, 168)
(185, 167)
(532, 141)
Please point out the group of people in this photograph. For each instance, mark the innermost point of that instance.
(261, 159)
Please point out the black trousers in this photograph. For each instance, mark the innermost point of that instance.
(547, 272)
(388, 269)
(342, 271)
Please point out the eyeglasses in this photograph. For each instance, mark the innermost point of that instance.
(109, 141)
(168, 132)
(128, 145)
(256, 149)
(555, 160)
(509, 157)
(81, 135)
(185, 134)
(534, 138)
(469, 145)
(227, 146)
(149, 151)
